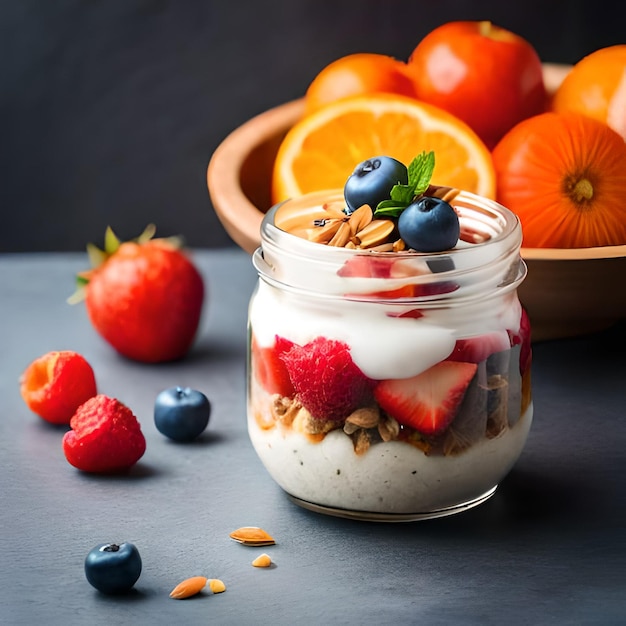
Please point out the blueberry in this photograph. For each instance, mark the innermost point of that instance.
(181, 413)
(372, 181)
(112, 567)
(429, 225)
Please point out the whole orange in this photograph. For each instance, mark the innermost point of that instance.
(596, 86)
(488, 76)
(358, 74)
(563, 174)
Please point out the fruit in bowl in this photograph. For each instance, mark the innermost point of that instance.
(596, 87)
(313, 156)
(241, 168)
(563, 175)
(358, 74)
(459, 66)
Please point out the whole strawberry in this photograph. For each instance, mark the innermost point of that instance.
(144, 297)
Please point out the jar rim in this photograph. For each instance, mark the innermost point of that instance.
(493, 261)
(470, 206)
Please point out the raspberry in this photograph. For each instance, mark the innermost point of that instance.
(326, 379)
(105, 437)
(56, 384)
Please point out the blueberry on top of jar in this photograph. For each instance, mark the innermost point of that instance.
(372, 181)
(429, 224)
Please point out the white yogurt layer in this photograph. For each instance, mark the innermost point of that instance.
(393, 477)
(381, 346)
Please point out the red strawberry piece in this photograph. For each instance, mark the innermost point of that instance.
(415, 291)
(411, 313)
(429, 401)
(326, 379)
(143, 297)
(366, 266)
(54, 385)
(270, 369)
(523, 338)
(105, 437)
(477, 349)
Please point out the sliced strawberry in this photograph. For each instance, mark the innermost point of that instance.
(477, 349)
(415, 291)
(326, 379)
(524, 338)
(429, 401)
(411, 313)
(269, 368)
(366, 266)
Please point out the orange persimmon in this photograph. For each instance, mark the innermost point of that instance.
(596, 86)
(564, 175)
(357, 74)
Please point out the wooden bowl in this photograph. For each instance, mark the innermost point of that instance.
(567, 292)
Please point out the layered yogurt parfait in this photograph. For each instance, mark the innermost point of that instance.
(389, 355)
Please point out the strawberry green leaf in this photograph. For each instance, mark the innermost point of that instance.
(147, 234)
(96, 256)
(111, 242)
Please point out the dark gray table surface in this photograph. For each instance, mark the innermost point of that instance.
(548, 548)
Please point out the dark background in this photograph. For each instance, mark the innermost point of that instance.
(110, 109)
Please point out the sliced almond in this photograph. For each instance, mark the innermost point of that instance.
(189, 587)
(216, 585)
(360, 218)
(263, 560)
(342, 236)
(447, 194)
(323, 234)
(382, 247)
(376, 232)
(398, 245)
(450, 195)
(335, 209)
(252, 536)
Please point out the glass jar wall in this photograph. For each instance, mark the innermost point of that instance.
(389, 386)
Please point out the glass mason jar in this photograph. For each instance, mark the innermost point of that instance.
(389, 385)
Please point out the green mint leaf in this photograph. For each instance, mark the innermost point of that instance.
(403, 194)
(389, 208)
(421, 171)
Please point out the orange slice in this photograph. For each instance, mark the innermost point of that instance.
(322, 149)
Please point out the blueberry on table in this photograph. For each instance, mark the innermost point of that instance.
(429, 225)
(372, 181)
(181, 413)
(113, 568)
